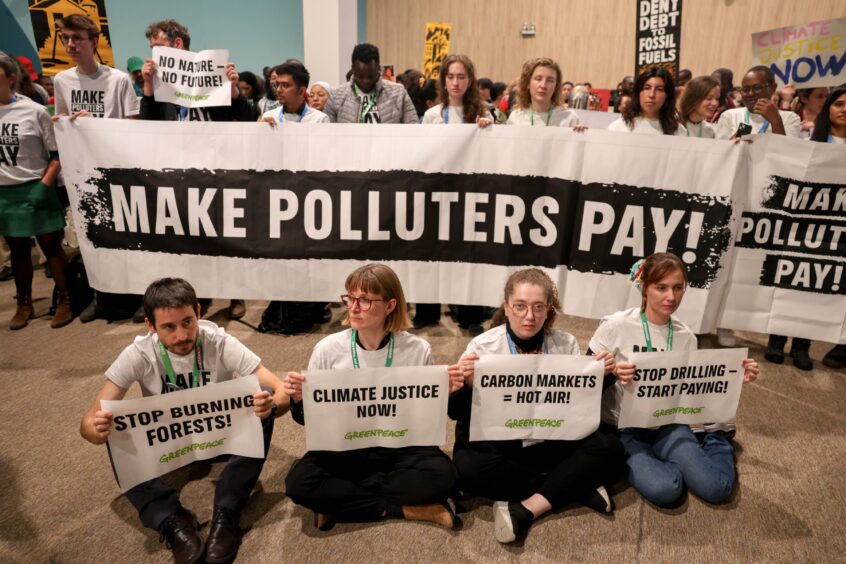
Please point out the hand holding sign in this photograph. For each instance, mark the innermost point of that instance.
(294, 386)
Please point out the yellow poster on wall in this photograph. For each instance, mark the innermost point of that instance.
(436, 48)
(51, 51)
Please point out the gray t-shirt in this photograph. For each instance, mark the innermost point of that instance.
(26, 137)
(224, 358)
(107, 93)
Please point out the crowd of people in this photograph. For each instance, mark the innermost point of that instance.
(526, 478)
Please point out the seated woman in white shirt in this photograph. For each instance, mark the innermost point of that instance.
(653, 107)
(539, 99)
(371, 483)
(699, 102)
(529, 477)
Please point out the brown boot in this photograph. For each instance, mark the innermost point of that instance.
(437, 513)
(23, 314)
(64, 314)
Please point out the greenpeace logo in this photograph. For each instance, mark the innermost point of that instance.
(524, 423)
(352, 435)
(190, 448)
(193, 97)
(677, 411)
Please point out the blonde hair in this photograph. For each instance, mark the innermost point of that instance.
(382, 281)
(524, 99)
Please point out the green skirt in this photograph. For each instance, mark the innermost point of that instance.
(30, 209)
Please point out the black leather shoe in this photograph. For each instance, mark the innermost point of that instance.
(800, 353)
(224, 536)
(179, 533)
(775, 349)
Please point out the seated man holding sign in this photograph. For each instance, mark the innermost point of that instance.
(531, 476)
(181, 352)
(663, 460)
(367, 484)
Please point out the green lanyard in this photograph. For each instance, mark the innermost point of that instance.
(365, 107)
(388, 361)
(532, 116)
(649, 338)
(195, 372)
(748, 121)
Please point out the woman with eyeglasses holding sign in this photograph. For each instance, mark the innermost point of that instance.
(528, 477)
(663, 461)
(369, 484)
(653, 107)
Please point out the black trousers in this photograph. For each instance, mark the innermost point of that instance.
(155, 500)
(561, 471)
(359, 485)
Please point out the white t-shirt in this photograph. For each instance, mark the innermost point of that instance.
(731, 119)
(702, 129)
(107, 93)
(224, 357)
(643, 125)
(560, 117)
(494, 341)
(455, 114)
(26, 136)
(838, 140)
(310, 116)
(622, 333)
(334, 352)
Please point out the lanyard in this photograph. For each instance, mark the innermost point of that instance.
(532, 116)
(365, 107)
(748, 121)
(388, 361)
(446, 115)
(513, 348)
(649, 338)
(195, 371)
(183, 112)
(830, 138)
(700, 127)
(302, 114)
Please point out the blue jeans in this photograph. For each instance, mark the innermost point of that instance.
(663, 461)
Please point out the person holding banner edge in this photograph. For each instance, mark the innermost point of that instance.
(369, 484)
(662, 461)
(182, 351)
(530, 477)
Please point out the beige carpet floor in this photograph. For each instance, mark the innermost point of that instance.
(59, 501)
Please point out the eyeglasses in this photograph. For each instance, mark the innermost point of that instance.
(75, 38)
(756, 88)
(364, 303)
(522, 309)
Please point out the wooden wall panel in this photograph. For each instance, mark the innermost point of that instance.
(592, 40)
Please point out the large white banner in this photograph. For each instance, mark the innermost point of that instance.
(550, 396)
(683, 387)
(354, 408)
(241, 210)
(155, 435)
(191, 80)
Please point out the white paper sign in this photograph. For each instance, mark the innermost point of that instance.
(368, 407)
(683, 387)
(551, 396)
(192, 80)
(154, 435)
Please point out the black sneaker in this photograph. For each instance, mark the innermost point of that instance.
(800, 353)
(775, 349)
(224, 536)
(179, 533)
(836, 357)
(511, 520)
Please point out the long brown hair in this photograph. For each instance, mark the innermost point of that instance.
(667, 114)
(381, 280)
(524, 99)
(656, 267)
(537, 277)
(472, 99)
(695, 91)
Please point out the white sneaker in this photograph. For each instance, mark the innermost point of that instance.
(503, 526)
(726, 338)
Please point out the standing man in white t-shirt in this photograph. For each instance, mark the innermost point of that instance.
(181, 351)
(760, 115)
(91, 88)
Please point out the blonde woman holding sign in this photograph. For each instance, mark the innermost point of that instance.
(368, 484)
(665, 460)
(529, 477)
